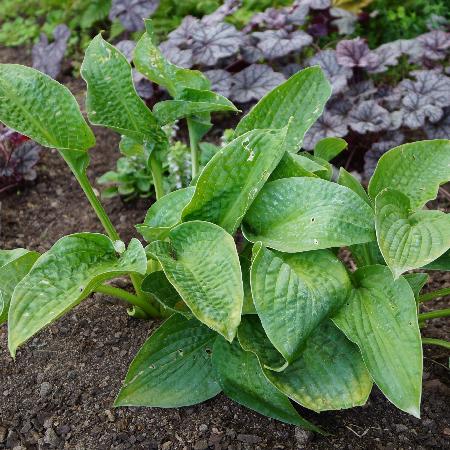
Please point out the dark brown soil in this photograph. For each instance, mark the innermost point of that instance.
(60, 390)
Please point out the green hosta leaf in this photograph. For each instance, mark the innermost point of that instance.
(157, 284)
(329, 374)
(416, 282)
(248, 307)
(173, 368)
(409, 240)
(294, 293)
(111, 99)
(242, 380)
(298, 214)
(202, 263)
(327, 169)
(191, 102)
(64, 276)
(230, 182)
(348, 180)
(149, 60)
(14, 265)
(164, 214)
(44, 110)
(442, 263)
(380, 316)
(253, 338)
(328, 148)
(207, 151)
(298, 102)
(415, 169)
(293, 165)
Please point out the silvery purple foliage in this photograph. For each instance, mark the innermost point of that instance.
(434, 44)
(356, 53)
(369, 116)
(416, 108)
(327, 125)
(388, 55)
(131, 12)
(440, 129)
(221, 81)
(176, 55)
(48, 57)
(23, 160)
(210, 43)
(337, 75)
(253, 82)
(127, 48)
(316, 4)
(278, 43)
(344, 21)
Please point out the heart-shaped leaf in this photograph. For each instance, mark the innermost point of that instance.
(329, 374)
(298, 102)
(380, 316)
(243, 380)
(173, 368)
(298, 214)
(407, 239)
(399, 169)
(111, 99)
(14, 265)
(44, 110)
(191, 102)
(328, 148)
(232, 179)
(209, 281)
(348, 180)
(164, 214)
(64, 276)
(442, 263)
(294, 293)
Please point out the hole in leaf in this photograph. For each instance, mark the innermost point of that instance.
(208, 350)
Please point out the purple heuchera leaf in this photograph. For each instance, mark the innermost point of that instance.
(344, 21)
(336, 74)
(327, 125)
(24, 158)
(417, 108)
(177, 56)
(355, 53)
(388, 55)
(253, 82)
(250, 52)
(182, 36)
(225, 10)
(434, 44)
(316, 4)
(220, 81)
(213, 42)
(378, 149)
(440, 129)
(131, 12)
(278, 43)
(48, 57)
(127, 48)
(369, 116)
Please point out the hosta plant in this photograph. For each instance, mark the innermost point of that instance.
(243, 264)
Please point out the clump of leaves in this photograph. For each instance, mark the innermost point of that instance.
(18, 156)
(277, 317)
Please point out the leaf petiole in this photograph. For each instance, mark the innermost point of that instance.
(440, 342)
(434, 314)
(435, 294)
(156, 168)
(134, 300)
(193, 142)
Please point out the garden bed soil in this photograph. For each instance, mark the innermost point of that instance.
(60, 390)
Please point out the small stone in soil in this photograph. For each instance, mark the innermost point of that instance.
(45, 389)
(201, 445)
(248, 438)
(202, 428)
(302, 436)
(3, 431)
(51, 438)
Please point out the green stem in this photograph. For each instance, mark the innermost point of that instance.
(434, 294)
(439, 342)
(156, 169)
(129, 298)
(193, 142)
(435, 314)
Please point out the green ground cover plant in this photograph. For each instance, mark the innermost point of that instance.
(243, 264)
